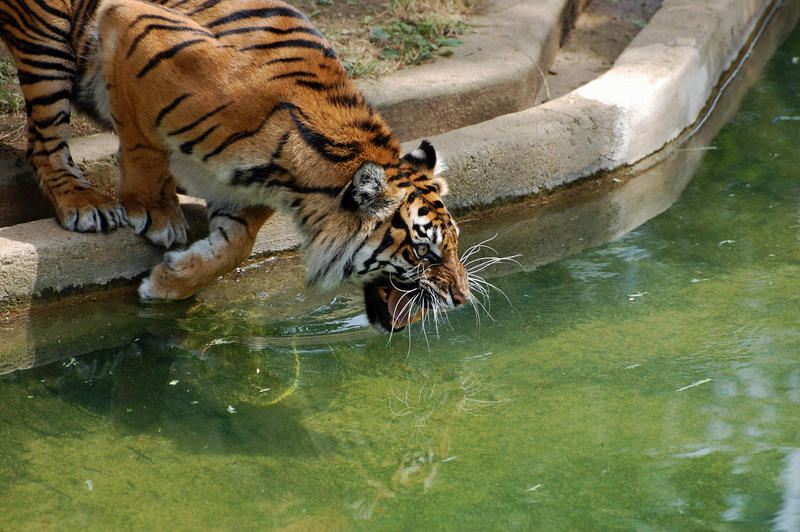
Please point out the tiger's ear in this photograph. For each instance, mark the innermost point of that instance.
(370, 194)
(424, 157)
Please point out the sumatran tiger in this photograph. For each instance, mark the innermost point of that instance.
(245, 104)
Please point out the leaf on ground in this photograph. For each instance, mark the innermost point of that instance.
(444, 41)
(388, 53)
(379, 34)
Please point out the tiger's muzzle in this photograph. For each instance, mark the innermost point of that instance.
(392, 304)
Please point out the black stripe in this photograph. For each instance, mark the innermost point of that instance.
(170, 107)
(292, 74)
(397, 221)
(283, 60)
(348, 201)
(269, 29)
(47, 65)
(148, 221)
(240, 135)
(49, 99)
(369, 125)
(26, 78)
(264, 176)
(313, 85)
(188, 146)
(149, 16)
(292, 43)
(382, 140)
(322, 144)
(52, 10)
(197, 122)
(400, 175)
(255, 174)
(208, 4)
(346, 100)
(387, 241)
(145, 32)
(166, 54)
(279, 149)
(268, 12)
(61, 117)
(39, 50)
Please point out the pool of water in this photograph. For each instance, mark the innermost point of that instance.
(649, 383)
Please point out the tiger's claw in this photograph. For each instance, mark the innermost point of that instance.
(90, 211)
(162, 224)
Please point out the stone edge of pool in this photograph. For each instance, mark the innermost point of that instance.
(657, 88)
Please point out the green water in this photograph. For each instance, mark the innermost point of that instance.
(651, 383)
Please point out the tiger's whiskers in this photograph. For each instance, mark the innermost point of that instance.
(477, 284)
(435, 311)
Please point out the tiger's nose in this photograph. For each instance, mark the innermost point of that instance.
(458, 298)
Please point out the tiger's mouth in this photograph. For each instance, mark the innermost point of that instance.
(390, 306)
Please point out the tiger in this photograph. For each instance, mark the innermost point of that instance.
(245, 104)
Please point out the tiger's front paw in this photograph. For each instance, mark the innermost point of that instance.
(162, 223)
(87, 210)
(178, 277)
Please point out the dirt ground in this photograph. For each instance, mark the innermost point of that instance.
(599, 35)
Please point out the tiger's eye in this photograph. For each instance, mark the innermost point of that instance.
(420, 250)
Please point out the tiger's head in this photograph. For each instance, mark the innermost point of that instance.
(409, 264)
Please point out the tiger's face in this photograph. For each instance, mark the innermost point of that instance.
(410, 264)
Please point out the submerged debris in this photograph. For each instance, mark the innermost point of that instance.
(692, 385)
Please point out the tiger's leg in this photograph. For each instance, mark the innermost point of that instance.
(46, 82)
(228, 244)
(148, 191)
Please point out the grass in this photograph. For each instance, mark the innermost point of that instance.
(414, 42)
(10, 96)
(402, 34)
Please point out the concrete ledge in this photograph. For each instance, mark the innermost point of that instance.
(656, 89)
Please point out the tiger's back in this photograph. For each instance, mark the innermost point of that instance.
(307, 119)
